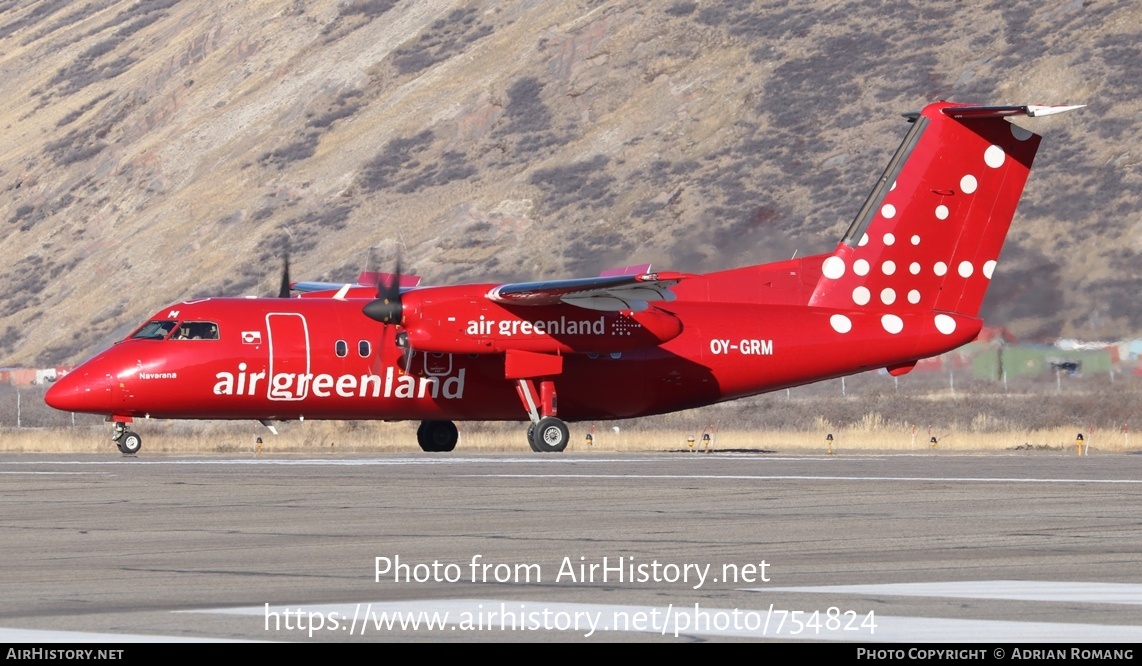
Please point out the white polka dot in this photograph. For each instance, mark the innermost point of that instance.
(988, 268)
(893, 186)
(941, 212)
(966, 269)
(888, 296)
(863, 241)
(913, 297)
(1019, 133)
(888, 210)
(860, 267)
(892, 323)
(840, 323)
(940, 268)
(889, 239)
(833, 268)
(945, 324)
(915, 240)
(993, 157)
(914, 268)
(888, 267)
(968, 184)
(861, 296)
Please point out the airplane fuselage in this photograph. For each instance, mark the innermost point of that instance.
(322, 359)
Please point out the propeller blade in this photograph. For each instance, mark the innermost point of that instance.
(406, 358)
(283, 290)
(382, 345)
(386, 308)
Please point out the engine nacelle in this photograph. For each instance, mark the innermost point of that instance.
(476, 326)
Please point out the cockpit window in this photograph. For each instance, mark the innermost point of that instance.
(196, 330)
(155, 330)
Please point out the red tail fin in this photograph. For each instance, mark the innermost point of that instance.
(929, 235)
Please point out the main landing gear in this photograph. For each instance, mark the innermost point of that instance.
(437, 435)
(550, 435)
(546, 434)
(128, 442)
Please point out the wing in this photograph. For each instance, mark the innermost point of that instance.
(610, 293)
(365, 287)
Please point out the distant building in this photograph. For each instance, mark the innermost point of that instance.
(989, 338)
(32, 376)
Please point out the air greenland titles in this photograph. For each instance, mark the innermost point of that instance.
(296, 386)
(561, 326)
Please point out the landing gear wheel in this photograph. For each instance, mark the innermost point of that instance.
(550, 435)
(129, 443)
(531, 436)
(437, 435)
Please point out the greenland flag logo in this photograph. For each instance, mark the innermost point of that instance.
(251, 337)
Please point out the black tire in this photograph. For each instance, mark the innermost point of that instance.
(130, 443)
(550, 436)
(437, 436)
(530, 437)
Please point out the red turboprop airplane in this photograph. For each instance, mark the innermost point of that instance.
(905, 283)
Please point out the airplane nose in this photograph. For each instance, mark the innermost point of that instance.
(80, 392)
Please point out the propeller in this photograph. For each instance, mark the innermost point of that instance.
(387, 309)
(283, 290)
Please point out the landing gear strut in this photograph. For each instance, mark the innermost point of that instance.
(437, 435)
(128, 442)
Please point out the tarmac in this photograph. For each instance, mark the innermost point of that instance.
(1027, 547)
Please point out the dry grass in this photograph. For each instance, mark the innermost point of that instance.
(877, 415)
(325, 438)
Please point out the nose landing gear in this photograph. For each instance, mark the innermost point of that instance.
(128, 442)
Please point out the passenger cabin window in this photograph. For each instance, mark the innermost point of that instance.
(155, 330)
(196, 330)
(363, 348)
(341, 349)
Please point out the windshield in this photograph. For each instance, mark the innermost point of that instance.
(155, 330)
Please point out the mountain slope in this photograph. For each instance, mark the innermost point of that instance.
(154, 151)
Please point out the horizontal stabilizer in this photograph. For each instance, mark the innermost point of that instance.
(1030, 110)
(374, 278)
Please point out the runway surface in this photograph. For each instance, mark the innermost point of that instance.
(1027, 547)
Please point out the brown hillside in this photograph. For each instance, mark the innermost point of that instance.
(158, 150)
